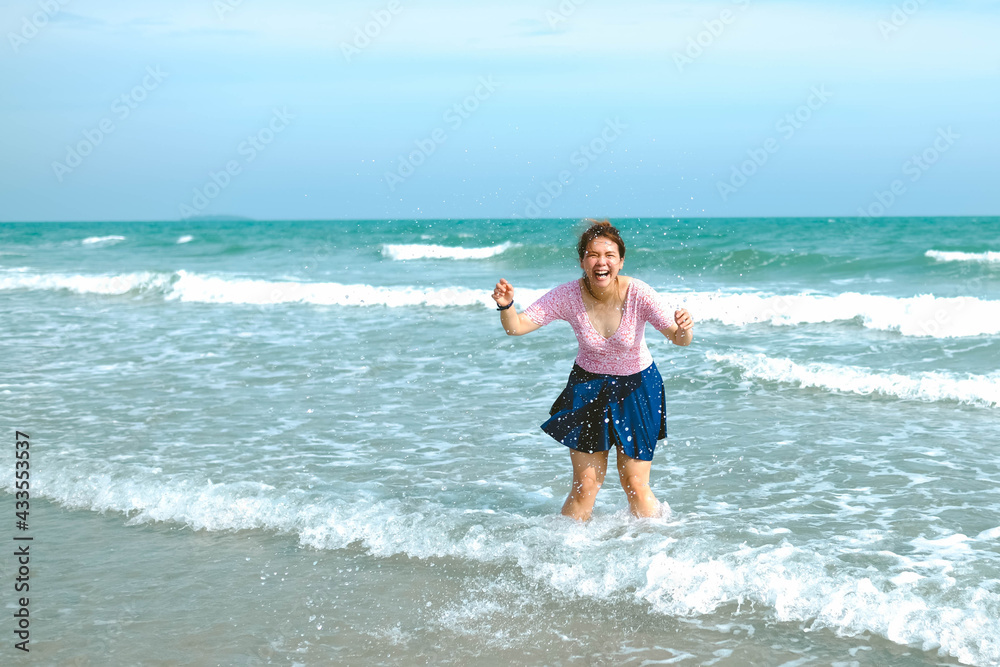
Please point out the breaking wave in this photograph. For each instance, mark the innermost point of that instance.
(954, 256)
(803, 583)
(102, 240)
(924, 315)
(421, 251)
(927, 386)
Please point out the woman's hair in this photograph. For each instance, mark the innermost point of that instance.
(597, 229)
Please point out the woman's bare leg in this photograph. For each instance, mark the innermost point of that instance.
(588, 476)
(634, 476)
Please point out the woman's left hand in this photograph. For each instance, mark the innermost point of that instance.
(685, 325)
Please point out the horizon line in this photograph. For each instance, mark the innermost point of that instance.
(497, 219)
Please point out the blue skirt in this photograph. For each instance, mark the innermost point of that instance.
(596, 412)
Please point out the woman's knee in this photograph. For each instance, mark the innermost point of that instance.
(635, 485)
(587, 483)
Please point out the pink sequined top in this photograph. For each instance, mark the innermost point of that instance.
(625, 353)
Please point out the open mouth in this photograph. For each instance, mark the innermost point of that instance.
(601, 275)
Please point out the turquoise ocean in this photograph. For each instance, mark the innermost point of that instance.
(310, 443)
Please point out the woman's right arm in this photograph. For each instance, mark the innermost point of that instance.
(514, 323)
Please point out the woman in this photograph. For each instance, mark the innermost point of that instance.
(615, 395)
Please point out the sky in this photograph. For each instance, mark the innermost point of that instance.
(406, 109)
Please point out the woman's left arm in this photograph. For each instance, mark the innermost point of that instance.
(681, 331)
(678, 332)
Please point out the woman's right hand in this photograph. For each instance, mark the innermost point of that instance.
(503, 293)
(514, 323)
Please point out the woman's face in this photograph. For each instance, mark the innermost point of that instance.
(601, 262)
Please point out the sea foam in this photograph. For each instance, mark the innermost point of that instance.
(924, 315)
(927, 386)
(423, 251)
(119, 284)
(209, 289)
(798, 583)
(988, 257)
(102, 240)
